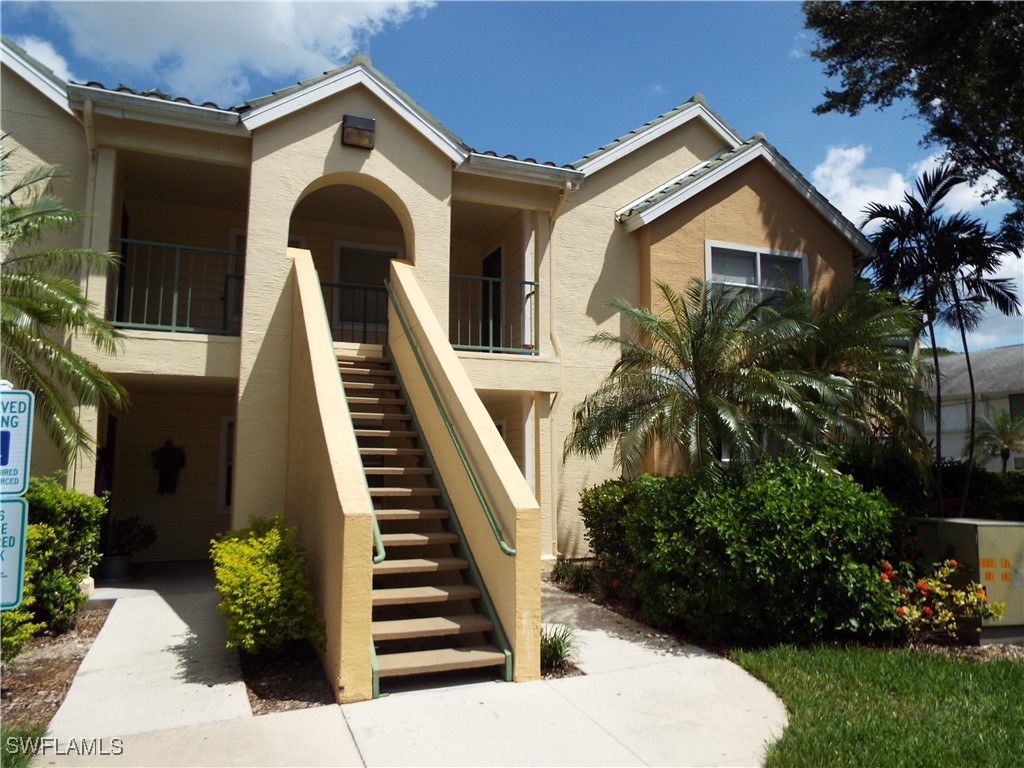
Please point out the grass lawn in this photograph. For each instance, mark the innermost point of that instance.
(892, 707)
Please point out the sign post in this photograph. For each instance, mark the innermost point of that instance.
(16, 409)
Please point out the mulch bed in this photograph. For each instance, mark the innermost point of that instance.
(281, 682)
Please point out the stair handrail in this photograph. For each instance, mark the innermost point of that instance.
(495, 529)
(378, 542)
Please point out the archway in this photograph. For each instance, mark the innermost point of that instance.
(353, 234)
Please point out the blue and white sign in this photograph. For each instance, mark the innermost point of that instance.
(16, 406)
(13, 522)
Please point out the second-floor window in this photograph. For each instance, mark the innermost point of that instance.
(770, 272)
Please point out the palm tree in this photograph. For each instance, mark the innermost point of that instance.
(945, 265)
(999, 435)
(862, 342)
(43, 308)
(703, 376)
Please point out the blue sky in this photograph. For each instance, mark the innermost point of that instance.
(551, 81)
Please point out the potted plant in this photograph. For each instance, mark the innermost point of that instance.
(122, 538)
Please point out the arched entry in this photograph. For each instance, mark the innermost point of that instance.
(353, 235)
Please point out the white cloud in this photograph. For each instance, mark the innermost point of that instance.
(850, 186)
(207, 51)
(846, 179)
(43, 52)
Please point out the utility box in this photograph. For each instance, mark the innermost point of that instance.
(992, 551)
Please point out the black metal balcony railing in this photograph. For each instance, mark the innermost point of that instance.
(175, 287)
(493, 314)
(358, 313)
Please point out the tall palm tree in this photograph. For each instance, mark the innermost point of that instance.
(945, 265)
(42, 308)
(1000, 435)
(702, 375)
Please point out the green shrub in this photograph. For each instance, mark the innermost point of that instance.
(17, 625)
(265, 593)
(67, 548)
(785, 555)
(557, 648)
(601, 509)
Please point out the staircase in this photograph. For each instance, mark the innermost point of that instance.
(425, 618)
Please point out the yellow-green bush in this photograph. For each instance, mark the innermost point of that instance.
(265, 593)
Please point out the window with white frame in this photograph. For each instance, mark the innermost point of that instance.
(768, 271)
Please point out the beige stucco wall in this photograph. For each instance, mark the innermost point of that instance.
(186, 520)
(754, 206)
(596, 260)
(43, 134)
(292, 157)
(326, 494)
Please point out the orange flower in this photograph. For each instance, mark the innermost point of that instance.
(952, 563)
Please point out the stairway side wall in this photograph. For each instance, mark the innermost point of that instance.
(325, 494)
(513, 582)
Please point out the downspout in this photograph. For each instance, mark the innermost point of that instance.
(563, 197)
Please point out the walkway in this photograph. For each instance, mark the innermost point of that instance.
(159, 680)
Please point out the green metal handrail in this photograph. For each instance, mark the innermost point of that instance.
(491, 337)
(495, 529)
(344, 298)
(198, 278)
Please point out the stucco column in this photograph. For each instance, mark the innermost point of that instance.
(100, 195)
(261, 436)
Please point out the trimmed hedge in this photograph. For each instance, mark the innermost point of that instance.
(787, 554)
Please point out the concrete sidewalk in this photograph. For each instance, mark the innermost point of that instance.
(159, 689)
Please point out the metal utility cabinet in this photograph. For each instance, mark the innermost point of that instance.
(993, 553)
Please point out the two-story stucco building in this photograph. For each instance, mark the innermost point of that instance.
(427, 480)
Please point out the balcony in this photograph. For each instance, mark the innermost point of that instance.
(357, 313)
(493, 314)
(177, 288)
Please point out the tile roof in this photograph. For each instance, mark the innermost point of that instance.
(697, 98)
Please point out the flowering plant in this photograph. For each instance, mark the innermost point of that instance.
(934, 607)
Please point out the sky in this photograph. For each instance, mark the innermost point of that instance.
(550, 81)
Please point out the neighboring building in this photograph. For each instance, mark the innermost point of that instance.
(242, 230)
(999, 386)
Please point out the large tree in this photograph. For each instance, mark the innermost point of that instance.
(957, 63)
(945, 264)
(43, 308)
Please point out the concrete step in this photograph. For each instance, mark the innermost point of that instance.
(376, 373)
(361, 359)
(431, 626)
(371, 400)
(398, 471)
(375, 416)
(374, 386)
(420, 565)
(411, 514)
(420, 595)
(391, 451)
(385, 433)
(443, 660)
(418, 539)
(396, 492)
